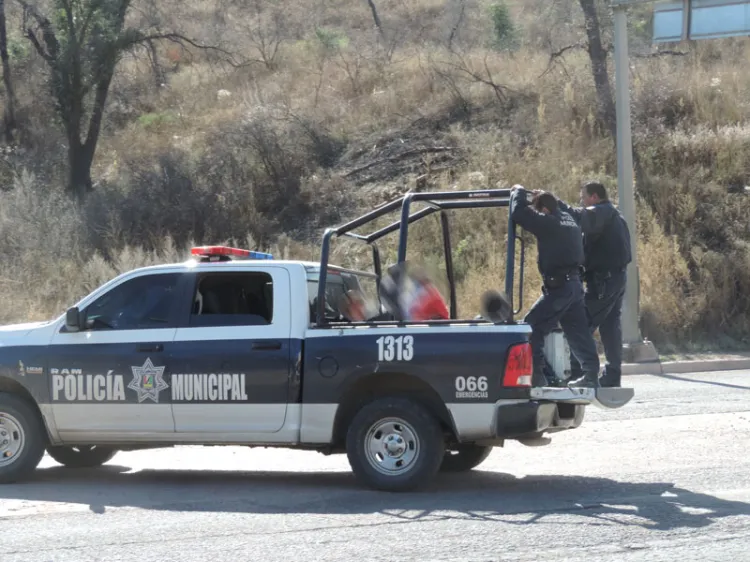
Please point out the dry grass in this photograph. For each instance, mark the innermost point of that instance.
(266, 163)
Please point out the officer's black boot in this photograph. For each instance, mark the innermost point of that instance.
(609, 381)
(590, 379)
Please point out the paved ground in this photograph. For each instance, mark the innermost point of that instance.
(667, 478)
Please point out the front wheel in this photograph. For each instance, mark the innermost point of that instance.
(464, 458)
(395, 445)
(87, 456)
(21, 439)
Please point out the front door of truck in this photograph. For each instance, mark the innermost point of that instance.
(111, 379)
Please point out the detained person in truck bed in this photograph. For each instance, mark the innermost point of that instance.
(409, 294)
(423, 303)
(560, 257)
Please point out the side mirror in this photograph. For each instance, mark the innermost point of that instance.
(73, 319)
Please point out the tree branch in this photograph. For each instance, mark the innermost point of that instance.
(48, 32)
(659, 54)
(489, 81)
(559, 53)
(459, 21)
(138, 38)
(375, 17)
(38, 46)
(93, 7)
(31, 9)
(665, 53)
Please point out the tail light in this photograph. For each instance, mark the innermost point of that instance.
(519, 366)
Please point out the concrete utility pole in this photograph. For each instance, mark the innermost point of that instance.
(635, 349)
(714, 18)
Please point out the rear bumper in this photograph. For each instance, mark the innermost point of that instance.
(518, 419)
(528, 412)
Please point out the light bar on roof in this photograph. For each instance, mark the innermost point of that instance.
(217, 251)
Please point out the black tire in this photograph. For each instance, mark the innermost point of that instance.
(415, 425)
(87, 456)
(464, 458)
(22, 438)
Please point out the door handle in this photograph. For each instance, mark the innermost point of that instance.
(150, 347)
(266, 345)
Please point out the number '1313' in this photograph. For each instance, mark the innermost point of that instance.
(391, 348)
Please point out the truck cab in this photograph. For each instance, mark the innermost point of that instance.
(233, 347)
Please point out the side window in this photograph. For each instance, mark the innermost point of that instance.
(232, 299)
(140, 303)
(338, 286)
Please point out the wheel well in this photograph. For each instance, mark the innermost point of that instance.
(374, 386)
(10, 386)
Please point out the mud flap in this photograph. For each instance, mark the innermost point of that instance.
(607, 398)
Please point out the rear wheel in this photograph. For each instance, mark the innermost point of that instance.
(21, 438)
(395, 445)
(464, 457)
(86, 456)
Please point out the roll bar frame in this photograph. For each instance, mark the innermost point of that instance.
(441, 202)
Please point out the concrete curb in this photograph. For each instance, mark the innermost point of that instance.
(676, 367)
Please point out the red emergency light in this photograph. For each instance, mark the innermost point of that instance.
(219, 253)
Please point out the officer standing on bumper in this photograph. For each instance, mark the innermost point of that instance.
(560, 257)
(606, 241)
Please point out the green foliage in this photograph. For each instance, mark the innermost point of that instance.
(641, 22)
(156, 120)
(18, 50)
(505, 32)
(331, 39)
(89, 36)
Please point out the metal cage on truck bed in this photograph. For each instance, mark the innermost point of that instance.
(435, 202)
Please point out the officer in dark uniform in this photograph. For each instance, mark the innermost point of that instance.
(560, 257)
(606, 241)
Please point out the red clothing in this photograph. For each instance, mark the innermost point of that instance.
(429, 305)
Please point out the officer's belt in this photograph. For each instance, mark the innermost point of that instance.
(559, 277)
(604, 272)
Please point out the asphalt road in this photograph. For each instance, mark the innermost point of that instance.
(666, 478)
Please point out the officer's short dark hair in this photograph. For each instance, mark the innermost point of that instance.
(595, 188)
(548, 201)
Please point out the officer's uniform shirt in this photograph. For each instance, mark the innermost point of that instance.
(559, 241)
(606, 237)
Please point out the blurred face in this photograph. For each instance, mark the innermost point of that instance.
(588, 200)
(353, 307)
(541, 208)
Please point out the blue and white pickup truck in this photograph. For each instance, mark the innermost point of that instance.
(233, 347)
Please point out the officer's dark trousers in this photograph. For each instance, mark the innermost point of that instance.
(603, 306)
(564, 305)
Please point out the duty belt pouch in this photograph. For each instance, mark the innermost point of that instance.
(598, 283)
(555, 281)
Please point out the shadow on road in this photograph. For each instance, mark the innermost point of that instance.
(478, 495)
(702, 381)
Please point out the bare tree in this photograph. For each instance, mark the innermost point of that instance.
(461, 67)
(9, 116)
(598, 58)
(461, 7)
(82, 41)
(375, 16)
(264, 24)
(266, 31)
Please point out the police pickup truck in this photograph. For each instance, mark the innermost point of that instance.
(233, 347)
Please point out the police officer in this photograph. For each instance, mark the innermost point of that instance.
(606, 241)
(560, 257)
